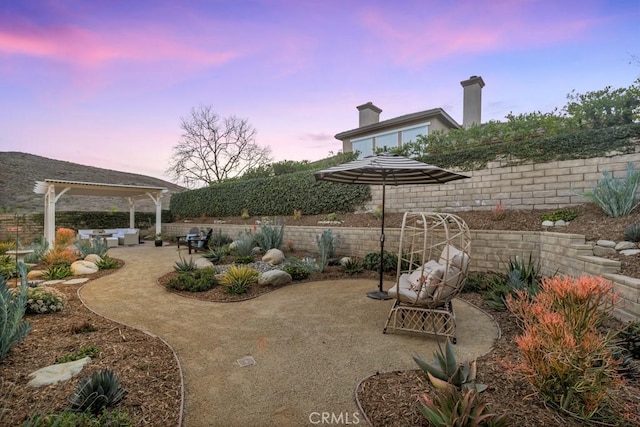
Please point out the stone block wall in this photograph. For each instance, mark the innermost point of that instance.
(28, 229)
(551, 185)
(558, 253)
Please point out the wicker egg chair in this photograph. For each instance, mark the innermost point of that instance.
(433, 262)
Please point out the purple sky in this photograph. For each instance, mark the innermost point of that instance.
(105, 82)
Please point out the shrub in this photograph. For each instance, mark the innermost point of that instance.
(238, 279)
(101, 390)
(59, 256)
(520, 276)
(57, 271)
(377, 212)
(12, 308)
(245, 214)
(244, 245)
(194, 281)
(220, 239)
(87, 351)
(64, 237)
(6, 246)
(107, 263)
(297, 214)
(565, 357)
(616, 196)
(371, 261)
(353, 266)
(327, 244)
(451, 407)
(97, 246)
(561, 214)
(270, 236)
(632, 233)
(44, 299)
(498, 213)
(297, 270)
(7, 266)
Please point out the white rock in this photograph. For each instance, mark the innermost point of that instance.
(547, 223)
(202, 263)
(273, 256)
(625, 245)
(274, 277)
(344, 261)
(606, 243)
(58, 372)
(94, 258)
(83, 267)
(560, 223)
(629, 252)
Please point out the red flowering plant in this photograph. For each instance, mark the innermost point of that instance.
(564, 355)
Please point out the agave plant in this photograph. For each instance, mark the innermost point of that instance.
(184, 265)
(451, 407)
(101, 390)
(446, 370)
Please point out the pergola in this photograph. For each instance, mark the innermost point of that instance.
(53, 189)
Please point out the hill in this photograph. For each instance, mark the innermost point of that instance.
(20, 171)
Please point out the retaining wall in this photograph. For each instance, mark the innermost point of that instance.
(558, 253)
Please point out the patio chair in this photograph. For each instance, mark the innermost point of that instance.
(200, 243)
(433, 262)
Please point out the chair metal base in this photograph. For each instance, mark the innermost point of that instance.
(380, 295)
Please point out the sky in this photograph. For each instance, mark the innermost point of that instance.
(106, 83)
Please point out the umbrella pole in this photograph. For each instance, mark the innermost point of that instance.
(380, 294)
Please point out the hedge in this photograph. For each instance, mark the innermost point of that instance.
(91, 220)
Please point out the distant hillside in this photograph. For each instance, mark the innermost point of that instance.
(20, 171)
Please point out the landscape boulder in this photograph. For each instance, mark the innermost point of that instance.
(94, 258)
(83, 267)
(273, 256)
(203, 263)
(275, 278)
(58, 372)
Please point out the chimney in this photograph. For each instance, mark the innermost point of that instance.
(369, 114)
(472, 102)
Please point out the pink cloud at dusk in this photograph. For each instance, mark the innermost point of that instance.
(118, 75)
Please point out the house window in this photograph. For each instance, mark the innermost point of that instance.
(363, 145)
(411, 135)
(387, 141)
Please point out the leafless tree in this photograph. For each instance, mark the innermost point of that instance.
(213, 148)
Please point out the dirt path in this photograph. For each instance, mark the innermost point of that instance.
(312, 342)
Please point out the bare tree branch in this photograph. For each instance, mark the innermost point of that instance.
(212, 149)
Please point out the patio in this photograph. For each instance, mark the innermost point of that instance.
(311, 342)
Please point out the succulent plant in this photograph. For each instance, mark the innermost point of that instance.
(445, 369)
(100, 390)
(184, 265)
(451, 407)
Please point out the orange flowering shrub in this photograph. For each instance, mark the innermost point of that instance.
(65, 237)
(60, 256)
(564, 355)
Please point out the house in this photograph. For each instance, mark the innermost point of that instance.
(372, 133)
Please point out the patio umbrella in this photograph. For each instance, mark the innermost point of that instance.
(386, 169)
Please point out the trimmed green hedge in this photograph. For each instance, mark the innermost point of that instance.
(576, 145)
(278, 195)
(90, 220)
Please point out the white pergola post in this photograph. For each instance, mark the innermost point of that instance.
(157, 199)
(132, 213)
(50, 200)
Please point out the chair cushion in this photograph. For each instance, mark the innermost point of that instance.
(449, 283)
(453, 256)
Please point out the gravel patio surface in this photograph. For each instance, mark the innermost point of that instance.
(312, 342)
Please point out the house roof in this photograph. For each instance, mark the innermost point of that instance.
(400, 120)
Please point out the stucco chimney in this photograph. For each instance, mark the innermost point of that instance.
(472, 102)
(369, 114)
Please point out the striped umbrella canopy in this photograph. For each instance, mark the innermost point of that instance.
(386, 169)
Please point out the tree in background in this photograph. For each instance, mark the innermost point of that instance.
(213, 148)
